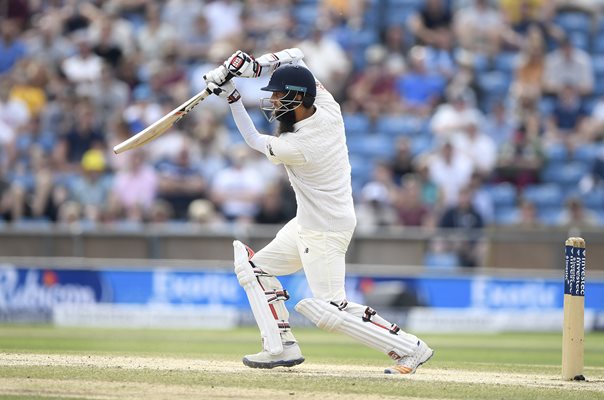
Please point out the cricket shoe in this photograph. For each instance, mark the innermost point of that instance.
(290, 356)
(410, 363)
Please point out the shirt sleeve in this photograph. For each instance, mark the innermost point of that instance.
(276, 149)
(279, 151)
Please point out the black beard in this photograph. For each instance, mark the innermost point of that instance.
(286, 122)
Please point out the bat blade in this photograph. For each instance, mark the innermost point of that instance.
(162, 125)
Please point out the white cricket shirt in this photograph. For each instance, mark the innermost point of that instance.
(322, 182)
(315, 156)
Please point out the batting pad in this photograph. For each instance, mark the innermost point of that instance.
(269, 329)
(331, 318)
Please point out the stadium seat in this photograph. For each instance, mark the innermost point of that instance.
(306, 14)
(550, 215)
(494, 83)
(441, 260)
(356, 124)
(422, 144)
(572, 22)
(597, 46)
(544, 195)
(594, 199)
(506, 62)
(580, 40)
(400, 125)
(506, 215)
(556, 153)
(374, 146)
(361, 170)
(502, 195)
(564, 173)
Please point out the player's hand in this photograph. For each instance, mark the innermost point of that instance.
(243, 65)
(217, 76)
(226, 91)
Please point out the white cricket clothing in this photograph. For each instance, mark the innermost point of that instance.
(321, 254)
(315, 157)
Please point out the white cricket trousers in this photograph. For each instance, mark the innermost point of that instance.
(321, 254)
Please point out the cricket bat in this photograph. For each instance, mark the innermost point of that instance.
(162, 125)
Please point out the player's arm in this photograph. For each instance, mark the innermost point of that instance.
(277, 150)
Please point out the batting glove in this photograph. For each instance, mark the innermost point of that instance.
(217, 75)
(243, 65)
(226, 91)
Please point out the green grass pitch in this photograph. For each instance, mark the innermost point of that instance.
(40, 362)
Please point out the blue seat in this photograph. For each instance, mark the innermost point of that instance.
(550, 215)
(564, 173)
(377, 147)
(37, 224)
(597, 45)
(422, 144)
(399, 125)
(544, 195)
(572, 22)
(580, 40)
(506, 215)
(593, 199)
(597, 62)
(556, 153)
(447, 260)
(356, 124)
(585, 154)
(361, 170)
(546, 106)
(506, 62)
(495, 82)
(306, 14)
(502, 195)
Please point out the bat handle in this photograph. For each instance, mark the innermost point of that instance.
(217, 91)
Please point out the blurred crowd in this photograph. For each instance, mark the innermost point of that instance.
(459, 113)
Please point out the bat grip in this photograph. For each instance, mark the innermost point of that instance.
(229, 76)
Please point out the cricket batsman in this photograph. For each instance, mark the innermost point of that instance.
(311, 145)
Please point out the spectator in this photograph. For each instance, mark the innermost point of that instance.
(450, 170)
(402, 163)
(180, 182)
(238, 188)
(477, 146)
(409, 206)
(224, 17)
(109, 95)
(319, 52)
(375, 209)
(527, 216)
(373, 86)
(135, 187)
(12, 48)
(520, 159)
(92, 189)
(527, 86)
(433, 20)
(184, 16)
(575, 215)
(568, 121)
(463, 216)
(419, 90)
(84, 67)
(156, 36)
(14, 112)
(46, 45)
(499, 124)
(83, 136)
(203, 212)
(105, 47)
(568, 66)
(272, 210)
(480, 29)
(451, 117)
